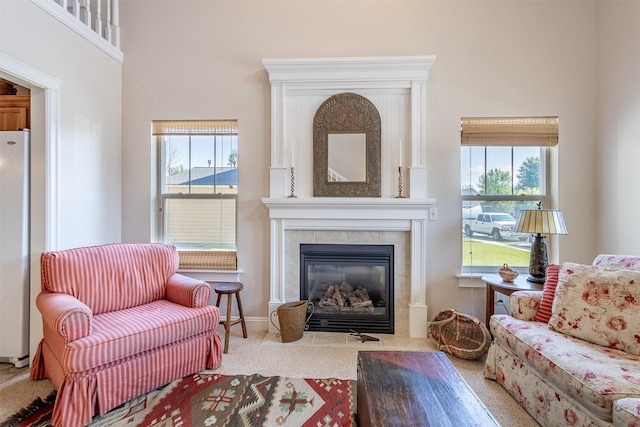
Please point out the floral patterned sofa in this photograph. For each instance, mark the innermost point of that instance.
(570, 354)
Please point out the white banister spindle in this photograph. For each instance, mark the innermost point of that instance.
(98, 28)
(115, 23)
(107, 25)
(75, 8)
(63, 4)
(85, 13)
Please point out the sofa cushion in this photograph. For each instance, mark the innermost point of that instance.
(598, 305)
(626, 412)
(110, 277)
(548, 294)
(594, 375)
(135, 330)
(617, 261)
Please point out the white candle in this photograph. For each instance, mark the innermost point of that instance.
(400, 152)
(292, 154)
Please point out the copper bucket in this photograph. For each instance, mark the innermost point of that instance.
(293, 319)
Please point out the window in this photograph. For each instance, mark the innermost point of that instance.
(198, 184)
(503, 171)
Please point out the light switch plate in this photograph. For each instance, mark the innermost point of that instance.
(433, 214)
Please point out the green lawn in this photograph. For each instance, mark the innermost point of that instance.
(477, 253)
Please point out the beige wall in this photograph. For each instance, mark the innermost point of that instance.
(202, 60)
(90, 119)
(619, 127)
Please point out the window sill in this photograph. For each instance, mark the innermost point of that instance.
(467, 280)
(473, 280)
(213, 275)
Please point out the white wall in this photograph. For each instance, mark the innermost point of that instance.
(89, 170)
(619, 127)
(202, 60)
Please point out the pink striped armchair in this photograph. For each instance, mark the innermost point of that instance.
(119, 322)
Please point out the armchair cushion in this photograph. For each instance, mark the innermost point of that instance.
(135, 330)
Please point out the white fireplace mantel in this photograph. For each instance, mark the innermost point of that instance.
(397, 85)
(349, 208)
(353, 214)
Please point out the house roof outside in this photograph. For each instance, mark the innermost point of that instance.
(205, 176)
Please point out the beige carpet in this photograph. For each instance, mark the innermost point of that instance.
(316, 355)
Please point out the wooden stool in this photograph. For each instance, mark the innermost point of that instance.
(228, 289)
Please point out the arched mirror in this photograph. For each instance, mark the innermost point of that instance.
(346, 148)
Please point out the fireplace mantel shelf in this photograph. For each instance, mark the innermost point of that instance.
(348, 207)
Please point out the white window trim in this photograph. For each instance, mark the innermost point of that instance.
(469, 276)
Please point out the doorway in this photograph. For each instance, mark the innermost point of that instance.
(45, 123)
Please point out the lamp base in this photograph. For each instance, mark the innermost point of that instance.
(538, 260)
(536, 279)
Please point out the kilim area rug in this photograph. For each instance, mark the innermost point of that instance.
(210, 399)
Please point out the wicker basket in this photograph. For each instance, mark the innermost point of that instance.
(460, 334)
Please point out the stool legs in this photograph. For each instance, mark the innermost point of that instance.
(244, 325)
(228, 323)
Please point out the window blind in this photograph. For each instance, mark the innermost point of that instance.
(509, 131)
(194, 127)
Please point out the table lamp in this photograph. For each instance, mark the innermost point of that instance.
(538, 222)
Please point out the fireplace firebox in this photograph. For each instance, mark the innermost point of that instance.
(350, 285)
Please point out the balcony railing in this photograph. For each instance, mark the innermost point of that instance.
(96, 20)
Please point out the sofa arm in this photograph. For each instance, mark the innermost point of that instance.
(626, 412)
(524, 305)
(187, 291)
(65, 315)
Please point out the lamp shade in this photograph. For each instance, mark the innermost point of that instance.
(544, 221)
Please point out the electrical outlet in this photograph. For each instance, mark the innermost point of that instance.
(433, 214)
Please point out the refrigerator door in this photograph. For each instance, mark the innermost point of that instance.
(14, 247)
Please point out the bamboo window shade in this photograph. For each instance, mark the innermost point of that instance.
(194, 127)
(509, 131)
(208, 260)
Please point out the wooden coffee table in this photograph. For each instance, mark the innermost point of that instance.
(406, 388)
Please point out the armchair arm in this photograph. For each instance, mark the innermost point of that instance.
(187, 291)
(65, 314)
(524, 305)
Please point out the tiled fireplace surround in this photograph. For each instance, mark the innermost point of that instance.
(399, 240)
(397, 87)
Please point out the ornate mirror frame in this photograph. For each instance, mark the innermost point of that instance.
(346, 113)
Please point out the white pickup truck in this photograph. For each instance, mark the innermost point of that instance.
(497, 225)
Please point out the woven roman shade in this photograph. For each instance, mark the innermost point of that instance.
(509, 131)
(195, 127)
(208, 260)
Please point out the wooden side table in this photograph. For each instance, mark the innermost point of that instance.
(496, 284)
